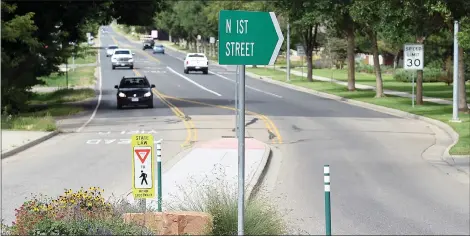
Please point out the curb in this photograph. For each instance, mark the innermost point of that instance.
(260, 172)
(29, 144)
(449, 130)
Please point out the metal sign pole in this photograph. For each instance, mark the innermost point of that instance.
(236, 101)
(413, 89)
(241, 152)
(67, 74)
(288, 52)
(455, 104)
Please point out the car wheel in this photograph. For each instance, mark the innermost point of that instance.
(119, 106)
(113, 67)
(150, 105)
(186, 71)
(205, 71)
(131, 67)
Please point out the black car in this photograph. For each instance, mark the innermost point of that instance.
(134, 91)
(148, 44)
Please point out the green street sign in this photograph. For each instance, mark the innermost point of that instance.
(248, 38)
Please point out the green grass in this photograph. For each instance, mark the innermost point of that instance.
(435, 89)
(44, 107)
(62, 96)
(82, 76)
(29, 123)
(435, 111)
(88, 56)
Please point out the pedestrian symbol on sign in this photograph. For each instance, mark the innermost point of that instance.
(144, 178)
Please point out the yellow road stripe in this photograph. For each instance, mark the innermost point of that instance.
(268, 123)
(190, 128)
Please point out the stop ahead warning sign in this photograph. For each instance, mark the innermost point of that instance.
(143, 166)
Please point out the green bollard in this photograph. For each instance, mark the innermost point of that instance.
(159, 174)
(326, 180)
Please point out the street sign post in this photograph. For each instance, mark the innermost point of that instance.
(143, 166)
(413, 59)
(249, 38)
(154, 34)
(246, 38)
(301, 53)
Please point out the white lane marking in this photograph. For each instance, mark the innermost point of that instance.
(193, 82)
(100, 86)
(223, 77)
(228, 79)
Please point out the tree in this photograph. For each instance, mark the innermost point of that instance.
(17, 30)
(368, 14)
(46, 32)
(342, 24)
(304, 19)
(457, 10)
(418, 18)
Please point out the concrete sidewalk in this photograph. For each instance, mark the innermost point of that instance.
(16, 141)
(366, 87)
(210, 163)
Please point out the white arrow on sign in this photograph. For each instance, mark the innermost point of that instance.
(280, 38)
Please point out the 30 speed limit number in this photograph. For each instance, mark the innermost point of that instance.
(413, 57)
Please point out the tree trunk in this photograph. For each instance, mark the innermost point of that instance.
(379, 91)
(462, 90)
(419, 80)
(397, 60)
(351, 60)
(309, 65)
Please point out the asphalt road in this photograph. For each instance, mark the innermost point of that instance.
(380, 182)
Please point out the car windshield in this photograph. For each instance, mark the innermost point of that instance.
(112, 47)
(122, 52)
(134, 83)
(160, 46)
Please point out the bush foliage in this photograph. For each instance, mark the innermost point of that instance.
(221, 201)
(429, 75)
(84, 212)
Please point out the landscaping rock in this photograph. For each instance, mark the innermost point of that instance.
(172, 223)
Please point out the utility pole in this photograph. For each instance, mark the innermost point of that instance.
(455, 108)
(288, 51)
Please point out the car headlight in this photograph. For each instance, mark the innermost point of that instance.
(122, 94)
(148, 94)
(131, 60)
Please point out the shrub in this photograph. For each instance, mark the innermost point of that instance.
(429, 75)
(84, 212)
(361, 67)
(85, 226)
(221, 202)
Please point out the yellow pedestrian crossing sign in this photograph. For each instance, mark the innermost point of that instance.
(143, 166)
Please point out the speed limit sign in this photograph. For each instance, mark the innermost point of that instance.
(413, 57)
